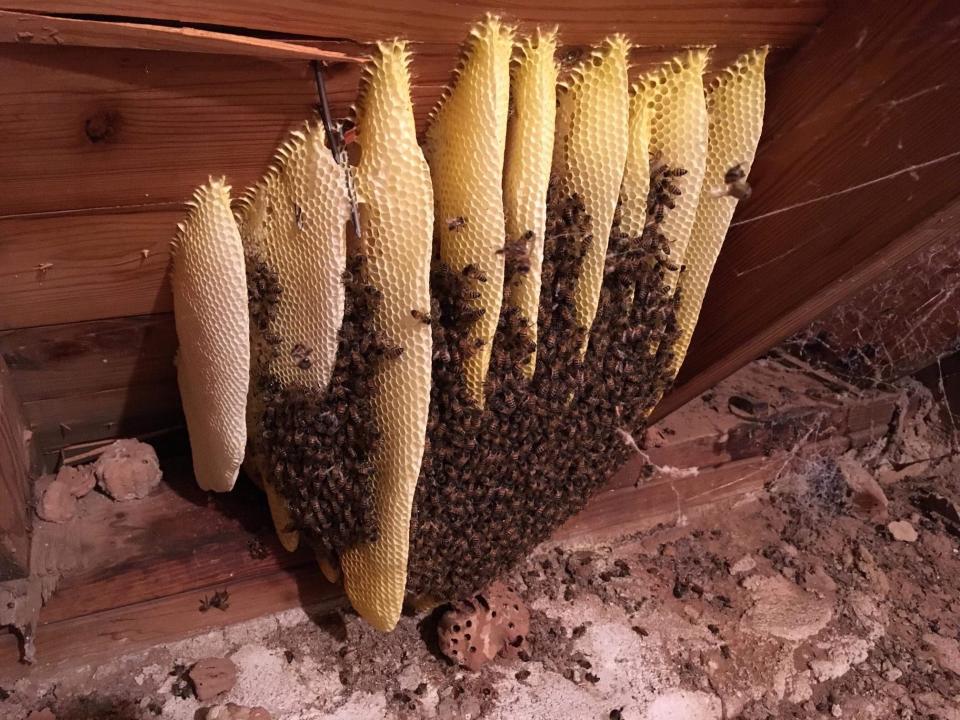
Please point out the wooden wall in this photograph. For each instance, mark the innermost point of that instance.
(100, 148)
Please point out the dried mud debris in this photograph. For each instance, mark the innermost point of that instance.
(128, 470)
(231, 711)
(212, 676)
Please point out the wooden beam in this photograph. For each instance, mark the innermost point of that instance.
(900, 323)
(16, 467)
(858, 148)
(57, 361)
(34, 29)
(681, 22)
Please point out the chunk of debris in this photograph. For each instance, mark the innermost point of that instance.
(79, 478)
(57, 504)
(903, 531)
(476, 630)
(180, 687)
(743, 565)
(867, 498)
(45, 714)
(946, 651)
(783, 610)
(231, 711)
(128, 470)
(212, 676)
(934, 505)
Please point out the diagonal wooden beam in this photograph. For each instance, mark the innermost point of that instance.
(37, 29)
(860, 149)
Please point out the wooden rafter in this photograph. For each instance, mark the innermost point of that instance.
(856, 170)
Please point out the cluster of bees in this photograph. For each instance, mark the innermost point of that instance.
(318, 443)
(495, 481)
(498, 480)
(427, 412)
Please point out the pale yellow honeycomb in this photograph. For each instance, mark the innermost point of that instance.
(294, 220)
(735, 102)
(590, 152)
(530, 132)
(678, 138)
(636, 175)
(465, 149)
(210, 312)
(396, 211)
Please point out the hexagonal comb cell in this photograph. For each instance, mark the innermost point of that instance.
(590, 152)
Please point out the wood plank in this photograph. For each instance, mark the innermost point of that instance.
(129, 629)
(84, 129)
(16, 466)
(60, 360)
(858, 149)
(81, 130)
(120, 412)
(29, 28)
(70, 268)
(681, 22)
(897, 325)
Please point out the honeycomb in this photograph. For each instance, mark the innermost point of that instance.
(636, 175)
(735, 101)
(396, 211)
(294, 220)
(465, 145)
(590, 152)
(280, 514)
(678, 138)
(533, 91)
(213, 360)
(313, 446)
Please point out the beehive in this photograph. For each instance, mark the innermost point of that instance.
(735, 101)
(396, 210)
(529, 152)
(465, 145)
(213, 360)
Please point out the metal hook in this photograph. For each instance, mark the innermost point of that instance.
(337, 146)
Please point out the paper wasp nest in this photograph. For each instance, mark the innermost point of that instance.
(427, 422)
(213, 361)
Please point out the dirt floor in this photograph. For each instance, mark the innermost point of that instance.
(827, 595)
